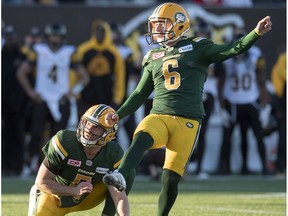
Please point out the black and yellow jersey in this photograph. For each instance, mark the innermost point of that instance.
(106, 68)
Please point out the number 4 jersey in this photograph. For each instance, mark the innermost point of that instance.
(52, 79)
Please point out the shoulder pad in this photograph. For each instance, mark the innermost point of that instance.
(114, 146)
(201, 40)
(57, 142)
(146, 58)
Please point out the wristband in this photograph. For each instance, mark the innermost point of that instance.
(257, 32)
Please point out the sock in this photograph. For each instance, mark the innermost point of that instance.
(168, 192)
(133, 156)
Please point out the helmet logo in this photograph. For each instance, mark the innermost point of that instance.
(180, 17)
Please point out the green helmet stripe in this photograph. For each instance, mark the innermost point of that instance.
(99, 110)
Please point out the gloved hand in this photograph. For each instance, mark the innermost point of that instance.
(264, 115)
(225, 117)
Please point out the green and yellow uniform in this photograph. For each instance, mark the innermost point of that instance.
(64, 156)
(177, 75)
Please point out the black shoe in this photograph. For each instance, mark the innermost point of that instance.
(245, 171)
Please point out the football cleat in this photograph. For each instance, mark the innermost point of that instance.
(115, 179)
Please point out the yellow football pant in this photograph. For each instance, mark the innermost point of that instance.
(47, 204)
(177, 134)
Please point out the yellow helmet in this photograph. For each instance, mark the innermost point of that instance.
(176, 22)
(92, 129)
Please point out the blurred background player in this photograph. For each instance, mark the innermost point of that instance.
(242, 93)
(279, 81)
(32, 37)
(131, 78)
(105, 67)
(50, 96)
(203, 30)
(13, 100)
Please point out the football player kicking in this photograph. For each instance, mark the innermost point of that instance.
(70, 176)
(177, 72)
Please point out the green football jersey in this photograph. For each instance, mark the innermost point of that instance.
(177, 75)
(65, 158)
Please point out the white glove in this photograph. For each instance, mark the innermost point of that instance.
(264, 115)
(77, 88)
(225, 117)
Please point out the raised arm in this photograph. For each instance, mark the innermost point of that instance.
(221, 52)
(134, 101)
(263, 26)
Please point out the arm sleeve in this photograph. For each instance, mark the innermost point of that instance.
(138, 97)
(109, 207)
(221, 52)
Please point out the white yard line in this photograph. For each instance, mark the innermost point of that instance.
(264, 195)
(260, 212)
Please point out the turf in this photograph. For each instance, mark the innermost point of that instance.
(225, 196)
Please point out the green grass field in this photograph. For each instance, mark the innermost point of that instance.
(229, 196)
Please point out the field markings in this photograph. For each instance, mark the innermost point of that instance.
(232, 210)
(263, 196)
(260, 212)
(220, 209)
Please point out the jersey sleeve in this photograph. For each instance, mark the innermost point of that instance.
(55, 154)
(221, 52)
(74, 59)
(115, 153)
(140, 94)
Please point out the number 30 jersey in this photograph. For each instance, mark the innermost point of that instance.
(241, 85)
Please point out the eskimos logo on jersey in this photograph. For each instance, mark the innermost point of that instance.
(101, 170)
(186, 48)
(75, 163)
(158, 55)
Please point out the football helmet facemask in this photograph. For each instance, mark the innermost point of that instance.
(173, 18)
(55, 29)
(92, 130)
(55, 34)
